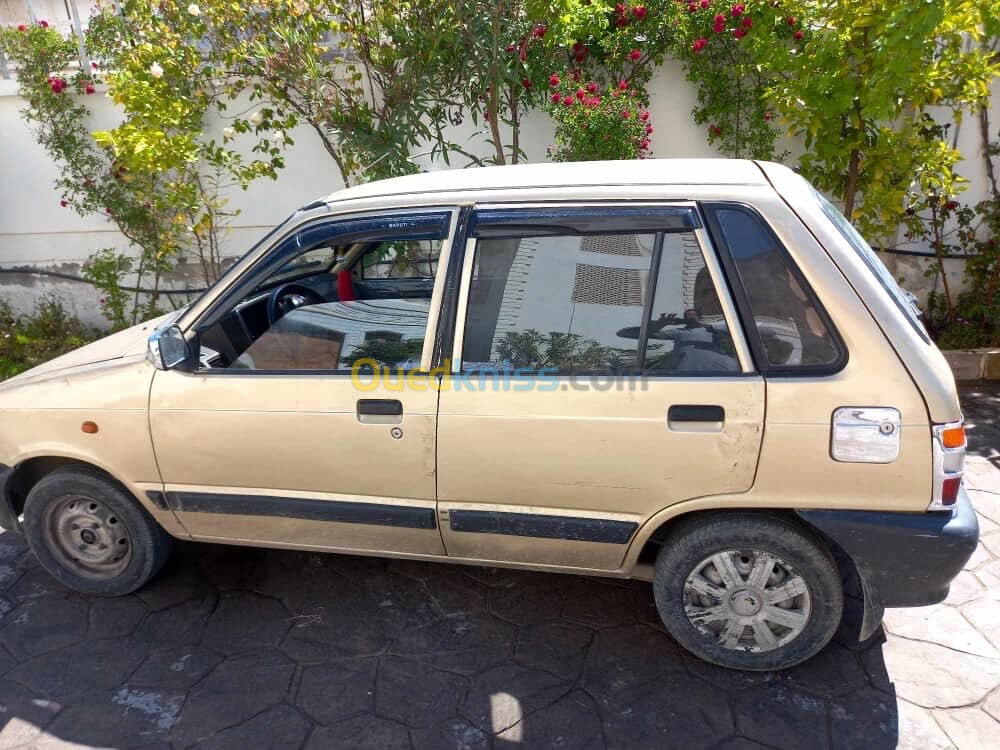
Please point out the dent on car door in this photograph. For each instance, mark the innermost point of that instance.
(599, 377)
(276, 441)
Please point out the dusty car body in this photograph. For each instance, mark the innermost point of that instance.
(688, 371)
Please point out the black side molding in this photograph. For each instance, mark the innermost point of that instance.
(543, 527)
(157, 498)
(375, 514)
(696, 413)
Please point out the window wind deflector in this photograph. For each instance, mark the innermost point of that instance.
(503, 223)
(430, 226)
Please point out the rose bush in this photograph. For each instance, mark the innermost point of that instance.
(607, 51)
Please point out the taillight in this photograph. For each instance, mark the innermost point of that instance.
(948, 445)
(949, 490)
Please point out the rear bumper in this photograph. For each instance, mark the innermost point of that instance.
(8, 517)
(903, 559)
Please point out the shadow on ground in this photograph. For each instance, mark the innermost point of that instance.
(981, 408)
(237, 647)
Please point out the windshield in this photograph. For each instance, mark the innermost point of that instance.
(905, 301)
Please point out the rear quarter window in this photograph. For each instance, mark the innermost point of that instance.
(793, 332)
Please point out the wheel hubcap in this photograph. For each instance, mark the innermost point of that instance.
(87, 537)
(747, 600)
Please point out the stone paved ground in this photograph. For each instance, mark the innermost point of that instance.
(242, 648)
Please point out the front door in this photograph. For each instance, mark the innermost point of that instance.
(274, 440)
(600, 377)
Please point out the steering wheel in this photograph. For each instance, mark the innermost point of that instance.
(287, 297)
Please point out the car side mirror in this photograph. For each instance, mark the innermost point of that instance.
(167, 348)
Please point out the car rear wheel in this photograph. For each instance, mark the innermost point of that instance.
(748, 591)
(91, 535)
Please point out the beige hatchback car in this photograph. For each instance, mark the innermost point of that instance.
(693, 372)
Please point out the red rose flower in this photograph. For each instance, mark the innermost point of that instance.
(738, 10)
(692, 7)
(719, 23)
(93, 65)
(539, 31)
(626, 114)
(768, 116)
(639, 12)
(581, 94)
(649, 129)
(568, 101)
(592, 87)
(511, 47)
(644, 115)
(620, 8)
(747, 22)
(799, 35)
(699, 44)
(526, 83)
(44, 24)
(22, 27)
(634, 55)
(705, 3)
(555, 97)
(739, 33)
(715, 130)
(621, 22)
(644, 144)
(951, 205)
(553, 80)
(576, 75)
(791, 21)
(63, 204)
(623, 84)
(89, 88)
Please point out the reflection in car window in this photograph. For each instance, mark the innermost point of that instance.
(792, 331)
(687, 330)
(573, 304)
(312, 314)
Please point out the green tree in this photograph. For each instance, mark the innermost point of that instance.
(858, 85)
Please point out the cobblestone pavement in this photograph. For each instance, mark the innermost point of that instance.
(243, 648)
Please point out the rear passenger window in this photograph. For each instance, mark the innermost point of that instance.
(794, 332)
(620, 303)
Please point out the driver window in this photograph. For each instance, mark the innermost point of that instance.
(329, 306)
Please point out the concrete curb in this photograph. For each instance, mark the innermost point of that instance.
(973, 364)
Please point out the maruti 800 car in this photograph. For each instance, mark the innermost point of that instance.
(693, 372)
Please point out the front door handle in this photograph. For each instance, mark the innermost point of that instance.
(696, 417)
(380, 410)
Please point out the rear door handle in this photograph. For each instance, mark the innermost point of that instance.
(380, 410)
(695, 413)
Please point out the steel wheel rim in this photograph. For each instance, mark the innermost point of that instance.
(87, 537)
(747, 600)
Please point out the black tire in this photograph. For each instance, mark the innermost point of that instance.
(692, 542)
(147, 545)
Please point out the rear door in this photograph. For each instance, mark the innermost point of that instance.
(599, 377)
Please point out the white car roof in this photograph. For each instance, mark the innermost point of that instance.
(565, 174)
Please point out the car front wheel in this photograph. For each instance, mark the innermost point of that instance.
(91, 535)
(748, 591)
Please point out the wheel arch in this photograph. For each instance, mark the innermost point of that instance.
(29, 469)
(862, 607)
(28, 472)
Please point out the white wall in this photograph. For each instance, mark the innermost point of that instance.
(36, 231)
